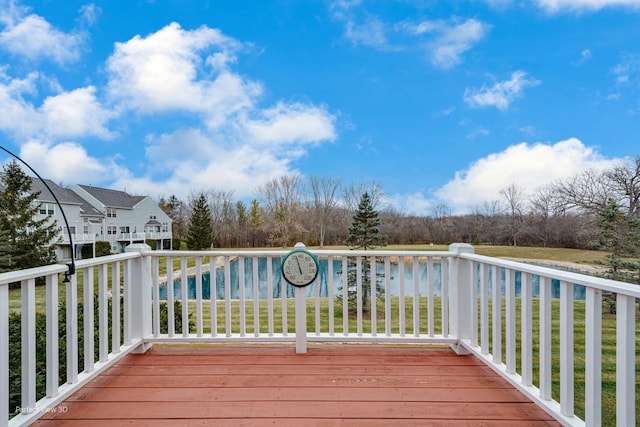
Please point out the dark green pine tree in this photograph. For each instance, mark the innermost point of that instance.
(200, 225)
(619, 235)
(364, 233)
(5, 249)
(28, 239)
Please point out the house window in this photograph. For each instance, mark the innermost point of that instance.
(111, 213)
(124, 229)
(47, 209)
(152, 216)
(165, 227)
(85, 229)
(112, 229)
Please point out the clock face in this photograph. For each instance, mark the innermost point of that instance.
(300, 268)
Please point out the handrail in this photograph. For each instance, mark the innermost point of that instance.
(603, 284)
(453, 297)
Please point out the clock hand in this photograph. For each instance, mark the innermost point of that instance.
(299, 267)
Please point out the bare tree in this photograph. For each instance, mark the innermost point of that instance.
(624, 185)
(587, 191)
(324, 191)
(282, 200)
(354, 192)
(544, 207)
(222, 216)
(487, 218)
(515, 198)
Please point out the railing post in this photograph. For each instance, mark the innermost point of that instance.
(460, 294)
(301, 320)
(4, 355)
(141, 324)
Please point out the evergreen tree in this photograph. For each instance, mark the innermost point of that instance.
(27, 239)
(200, 228)
(5, 249)
(243, 220)
(255, 220)
(364, 233)
(619, 235)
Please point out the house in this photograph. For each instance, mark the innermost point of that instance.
(127, 219)
(83, 219)
(99, 214)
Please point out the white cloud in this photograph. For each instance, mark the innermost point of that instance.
(34, 38)
(556, 6)
(628, 71)
(66, 162)
(230, 141)
(164, 72)
(530, 166)
(292, 123)
(196, 161)
(235, 144)
(75, 114)
(371, 33)
(445, 41)
(89, 14)
(412, 204)
(501, 94)
(453, 40)
(18, 117)
(585, 55)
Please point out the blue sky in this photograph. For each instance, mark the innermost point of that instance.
(440, 102)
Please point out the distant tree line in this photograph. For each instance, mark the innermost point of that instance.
(595, 209)
(318, 211)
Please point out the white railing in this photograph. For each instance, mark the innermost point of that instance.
(131, 236)
(155, 235)
(495, 320)
(456, 297)
(79, 238)
(143, 236)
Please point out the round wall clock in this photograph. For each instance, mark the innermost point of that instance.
(300, 267)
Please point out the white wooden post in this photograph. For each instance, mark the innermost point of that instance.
(52, 335)
(141, 323)
(625, 360)
(461, 296)
(301, 312)
(4, 355)
(301, 320)
(28, 328)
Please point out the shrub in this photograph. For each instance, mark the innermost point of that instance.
(103, 248)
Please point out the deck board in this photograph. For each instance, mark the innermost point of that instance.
(330, 385)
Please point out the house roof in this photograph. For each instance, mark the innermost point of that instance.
(113, 198)
(64, 195)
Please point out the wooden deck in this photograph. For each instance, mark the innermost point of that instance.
(361, 385)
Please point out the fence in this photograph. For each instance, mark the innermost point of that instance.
(503, 312)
